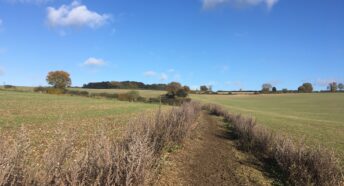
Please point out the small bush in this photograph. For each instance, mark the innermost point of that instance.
(123, 97)
(40, 89)
(104, 95)
(176, 101)
(56, 91)
(182, 93)
(129, 96)
(154, 100)
(141, 99)
(9, 87)
(50, 90)
(133, 95)
(77, 93)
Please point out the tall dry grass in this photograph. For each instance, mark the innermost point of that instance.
(103, 160)
(299, 163)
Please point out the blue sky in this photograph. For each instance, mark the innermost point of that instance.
(230, 44)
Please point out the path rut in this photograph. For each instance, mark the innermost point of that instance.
(210, 157)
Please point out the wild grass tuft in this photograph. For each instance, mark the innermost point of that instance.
(300, 164)
(103, 160)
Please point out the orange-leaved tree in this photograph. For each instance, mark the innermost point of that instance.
(59, 79)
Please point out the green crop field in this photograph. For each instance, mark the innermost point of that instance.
(318, 118)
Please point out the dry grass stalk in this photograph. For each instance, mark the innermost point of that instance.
(131, 160)
(300, 164)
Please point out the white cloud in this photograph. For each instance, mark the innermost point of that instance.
(94, 62)
(76, 15)
(163, 77)
(270, 3)
(149, 73)
(209, 4)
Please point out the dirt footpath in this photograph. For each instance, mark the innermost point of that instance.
(210, 157)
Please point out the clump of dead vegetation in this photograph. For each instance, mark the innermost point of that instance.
(132, 159)
(299, 163)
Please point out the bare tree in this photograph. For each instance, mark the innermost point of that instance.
(333, 87)
(266, 87)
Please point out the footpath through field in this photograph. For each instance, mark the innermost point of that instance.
(210, 157)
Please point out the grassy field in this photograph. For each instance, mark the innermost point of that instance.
(143, 93)
(43, 114)
(17, 108)
(319, 118)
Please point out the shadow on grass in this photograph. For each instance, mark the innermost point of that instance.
(268, 166)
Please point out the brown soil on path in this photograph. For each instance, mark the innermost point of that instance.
(210, 157)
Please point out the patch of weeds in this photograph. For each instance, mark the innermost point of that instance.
(172, 148)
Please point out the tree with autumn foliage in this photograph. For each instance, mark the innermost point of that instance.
(59, 79)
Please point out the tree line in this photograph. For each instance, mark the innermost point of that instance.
(61, 80)
(304, 88)
(124, 85)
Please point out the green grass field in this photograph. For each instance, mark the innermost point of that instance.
(143, 93)
(44, 117)
(25, 108)
(319, 118)
(46, 112)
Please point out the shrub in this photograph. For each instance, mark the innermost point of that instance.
(56, 91)
(154, 100)
(50, 90)
(141, 99)
(9, 86)
(301, 165)
(176, 101)
(274, 89)
(129, 96)
(123, 97)
(301, 89)
(133, 95)
(130, 160)
(306, 88)
(104, 95)
(77, 93)
(182, 93)
(175, 89)
(40, 89)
